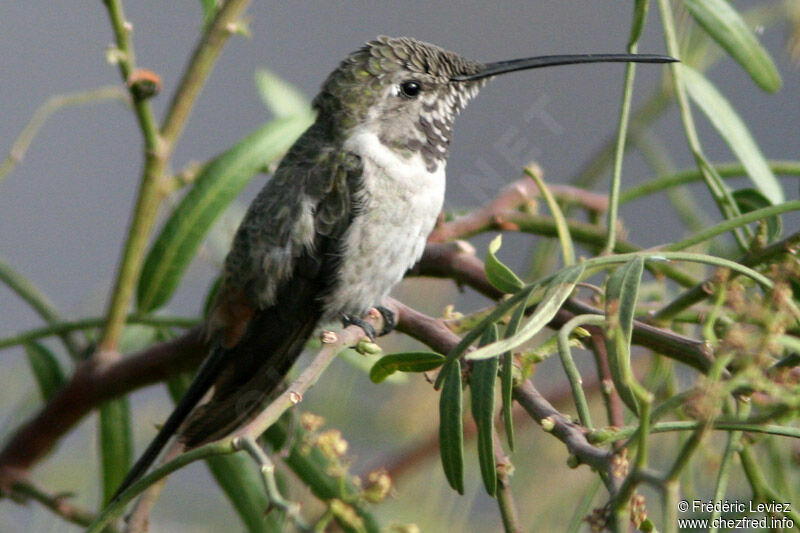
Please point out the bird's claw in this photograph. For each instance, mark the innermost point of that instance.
(389, 319)
(352, 320)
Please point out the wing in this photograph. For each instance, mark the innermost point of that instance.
(283, 260)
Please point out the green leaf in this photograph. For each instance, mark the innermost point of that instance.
(499, 311)
(724, 24)
(558, 290)
(238, 478)
(640, 9)
(507, 374)
(404, 362)
(622, 292)
(214, 189)
(282, 98)
(116, 444)
(45, 367)
(451, 430)
(727, 122)
(562, 228)
(502, 277)
(750, 200)
(236, 475)
(482, 387)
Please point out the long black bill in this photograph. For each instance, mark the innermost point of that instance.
(501, 67)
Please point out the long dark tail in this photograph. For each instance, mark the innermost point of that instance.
(274, 340)
(206, 376)
(244, 378)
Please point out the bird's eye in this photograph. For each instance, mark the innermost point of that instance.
(410, 88)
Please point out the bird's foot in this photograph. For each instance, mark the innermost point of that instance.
(352, 320)
(389, 322)
(389, 319)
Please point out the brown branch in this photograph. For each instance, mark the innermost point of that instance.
(58, 503)
(566, 431)
(91, 385)
(613, 402)
(456, 260)
(514, 196)
(406, 460)
(435, 334)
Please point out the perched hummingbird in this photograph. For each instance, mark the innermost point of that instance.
(346, 214)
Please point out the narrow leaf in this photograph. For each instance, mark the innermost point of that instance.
(499, 311)
(451, 430)
(622, 292)
(507, 374)
(116, 444)
(482, 388)
(640, 9)
(750, 200)
(238, 478)
(214, 189)
(724, 24)
(556, 293)
(731, 127)
(404, 362)
(45, 367)
(209, 10)
(498, 273)
(282, 98)
(562, 228)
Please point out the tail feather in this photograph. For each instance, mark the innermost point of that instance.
(260, 361)
(205, 378)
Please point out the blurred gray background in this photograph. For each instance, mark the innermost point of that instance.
(64, 211)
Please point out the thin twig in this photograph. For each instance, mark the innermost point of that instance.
(31, 295)
(46, 110)
(58, 503)
(505, 498)
(63, 327)
(512, 197)
(701, 291)
(148, 196)
(158, 149)
(139, 519)
(267, 468)
(199, 68)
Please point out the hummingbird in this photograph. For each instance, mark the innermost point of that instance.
(345, 215)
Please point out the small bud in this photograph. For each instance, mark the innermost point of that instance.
(144, 84)
(332, 444)
(329, 337)
(114, 55)
(366, 347)
(346, 514)
(311, 422)
(295, 397)
(548, 424)
(573, 461)
(379, 487)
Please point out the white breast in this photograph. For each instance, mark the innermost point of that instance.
(403, 200)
